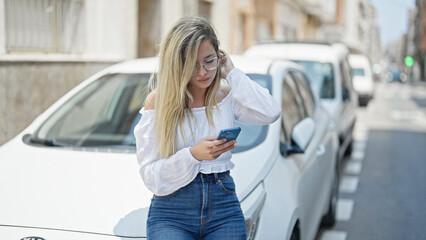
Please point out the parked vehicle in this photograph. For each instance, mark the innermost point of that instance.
(73, 173)
(330, 75)
(398, 76)
(362, 78)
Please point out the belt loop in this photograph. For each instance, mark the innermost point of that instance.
(216, 178)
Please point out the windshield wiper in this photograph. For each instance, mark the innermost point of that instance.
(50, 142)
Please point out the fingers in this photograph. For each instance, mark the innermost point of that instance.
(223, 56)
(210, 138)
(224, 147)
(210, 148)
(213, 141)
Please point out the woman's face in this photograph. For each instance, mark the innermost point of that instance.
(206, 58)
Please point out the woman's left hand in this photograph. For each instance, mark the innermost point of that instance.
(226, 64)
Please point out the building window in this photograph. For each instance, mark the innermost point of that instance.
(49, 26)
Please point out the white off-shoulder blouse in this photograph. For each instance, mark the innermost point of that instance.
(247, 102)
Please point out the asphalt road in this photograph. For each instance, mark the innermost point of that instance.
(383, 184)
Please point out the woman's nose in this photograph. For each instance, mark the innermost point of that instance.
(201, 70)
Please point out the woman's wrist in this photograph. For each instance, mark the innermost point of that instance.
(227, 71)
(192, 153)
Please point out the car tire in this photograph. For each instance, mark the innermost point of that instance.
(363, 102)
(348, 150)
(329, 219)
(295, 234)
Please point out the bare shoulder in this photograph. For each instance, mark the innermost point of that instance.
(150, 101)
(222, 93)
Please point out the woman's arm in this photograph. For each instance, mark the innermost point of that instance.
(252, 103)
(162, 176)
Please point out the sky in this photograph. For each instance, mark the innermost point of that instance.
(392, 18)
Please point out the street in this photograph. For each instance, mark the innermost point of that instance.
(382, 193)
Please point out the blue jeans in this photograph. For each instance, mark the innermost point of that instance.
(207, 209)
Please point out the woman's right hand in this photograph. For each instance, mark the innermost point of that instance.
(209, 148)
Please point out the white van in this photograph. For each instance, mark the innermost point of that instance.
(362, 78)
(329, 73)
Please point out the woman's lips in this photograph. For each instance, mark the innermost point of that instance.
(204, 80)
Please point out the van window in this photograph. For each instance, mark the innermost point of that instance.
(321, 77)
(358, 72)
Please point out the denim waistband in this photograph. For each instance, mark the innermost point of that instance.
(201, 177)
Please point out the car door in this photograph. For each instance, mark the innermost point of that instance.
(310, 175)
(326, 152)
(348, 96)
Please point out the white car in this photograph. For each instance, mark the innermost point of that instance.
(362, 78)
(330, 75)
(73, 173)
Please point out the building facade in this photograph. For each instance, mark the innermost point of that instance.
(420, 37)
(49, 46)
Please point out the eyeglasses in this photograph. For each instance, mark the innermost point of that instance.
(209, 64)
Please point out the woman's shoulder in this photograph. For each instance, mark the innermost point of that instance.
(150, 101)
(223, 93)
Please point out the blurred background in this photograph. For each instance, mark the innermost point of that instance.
(49, 46)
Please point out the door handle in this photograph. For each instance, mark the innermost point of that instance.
(331, 126)
(320, 150)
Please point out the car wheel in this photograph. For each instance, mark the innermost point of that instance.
(329, 218)
(295, 234)
(348, 150)
(363, 102)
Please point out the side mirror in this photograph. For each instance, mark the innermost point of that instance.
(301, 136)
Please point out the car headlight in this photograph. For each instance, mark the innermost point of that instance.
(252, 205)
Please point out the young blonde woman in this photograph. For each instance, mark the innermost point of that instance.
(181, 160)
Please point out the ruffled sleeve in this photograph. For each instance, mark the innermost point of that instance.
(162, 176)
(252, 104)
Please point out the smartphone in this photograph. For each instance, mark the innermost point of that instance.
(229, 134)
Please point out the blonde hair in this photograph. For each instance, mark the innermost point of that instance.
(177, 59)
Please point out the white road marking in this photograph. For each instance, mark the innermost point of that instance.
(353, 167)
(333, 235)
(371, 108)
(361, 136)
(348, 184)
(357, 156)
(407, 115)
(359, 146)
(344, 209)
(416, 116)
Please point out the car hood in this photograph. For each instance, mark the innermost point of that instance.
(98, 192)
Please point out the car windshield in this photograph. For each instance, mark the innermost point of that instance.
(358, 72)
(252, 135)
(321, 77)
(102, 116)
